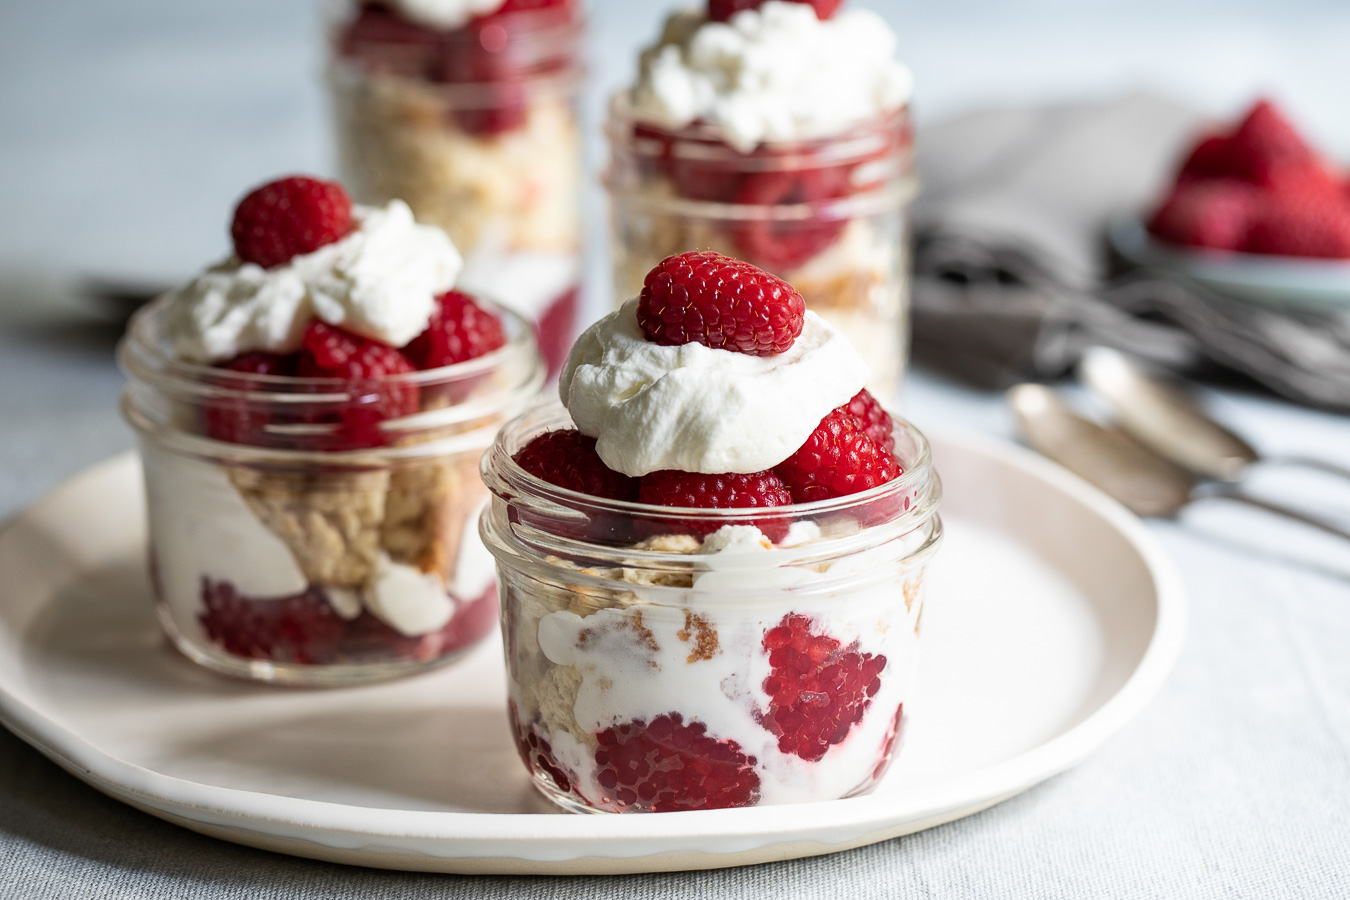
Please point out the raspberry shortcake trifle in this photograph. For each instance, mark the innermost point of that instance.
(466, 110)
(711, 559)
(311, 411)
(777, 132)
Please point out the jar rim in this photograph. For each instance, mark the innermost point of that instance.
(549, 37)
(509, 482)
(149, 352)
(542, 24)
(145, 359)
(707, 141)
(894, 182)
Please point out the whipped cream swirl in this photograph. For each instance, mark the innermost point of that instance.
(380, 281)
(447, 14)
(776, 73)
(697, 409)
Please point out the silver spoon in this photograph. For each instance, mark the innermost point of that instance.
(1146, 483)
(1170, 423)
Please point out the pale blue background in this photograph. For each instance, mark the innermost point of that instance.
(127, 131)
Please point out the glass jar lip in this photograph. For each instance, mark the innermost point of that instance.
(707, 142)
(502, 473)
(543, 24)
(863, 146)
(142, 356)
(550, 37)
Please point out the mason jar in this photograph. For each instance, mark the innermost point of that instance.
(831, 216)
(665, 659)
(477, 129)
(299, 534)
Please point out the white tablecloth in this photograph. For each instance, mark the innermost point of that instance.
(127, 130)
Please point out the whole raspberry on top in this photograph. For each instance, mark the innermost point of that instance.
(756, 490)
(365, 365)
(668, 765)
(839, 458)
(289, 217)
(568, 459)
(707, 298)
(459, 330)
(818, 689)
(722, 10)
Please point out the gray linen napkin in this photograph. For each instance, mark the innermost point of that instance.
(1013, 279)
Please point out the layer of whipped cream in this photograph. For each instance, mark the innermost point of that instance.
(380, 281)
(621, 679)
(200, 527)
(697, 409)
(446, 14)
(776, 73)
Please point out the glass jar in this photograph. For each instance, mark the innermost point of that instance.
(659, 660)
(477, 129)
(298, 533)
(830, 216)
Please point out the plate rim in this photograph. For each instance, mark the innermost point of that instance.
(711, 836)
(1303, 282)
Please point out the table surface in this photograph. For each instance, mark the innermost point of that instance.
(130, 129)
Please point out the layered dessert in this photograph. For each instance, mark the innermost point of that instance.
(311, 410)
(465, 110)
(1257, 186)
(777, 132)
(711, 557)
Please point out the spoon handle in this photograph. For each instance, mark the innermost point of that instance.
(1309, 462)
(1230, 492)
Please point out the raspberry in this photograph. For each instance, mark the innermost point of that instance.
(1310, 225)
(1310, 177)
(238, 420)
(305, 629)
(459, 330)
(535, 752)
(891, 745)
(289, 217)
(784, 243)
(667, 765)
(568, 460)
(1214, 214)
(818, 689)
(837, 459)
(720, 302)
(556, 327)
(1264, 142)
(302, 628)
(1207, 159)
(731, 491)
(723, 10)
(878, 423)
(386, 42)
(367, 367)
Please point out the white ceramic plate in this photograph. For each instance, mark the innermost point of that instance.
(1270, 280)
(1052, 620)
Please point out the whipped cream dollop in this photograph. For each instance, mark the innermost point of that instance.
(448, 14)
(380, 281)
(697, 409)
(776, 73)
